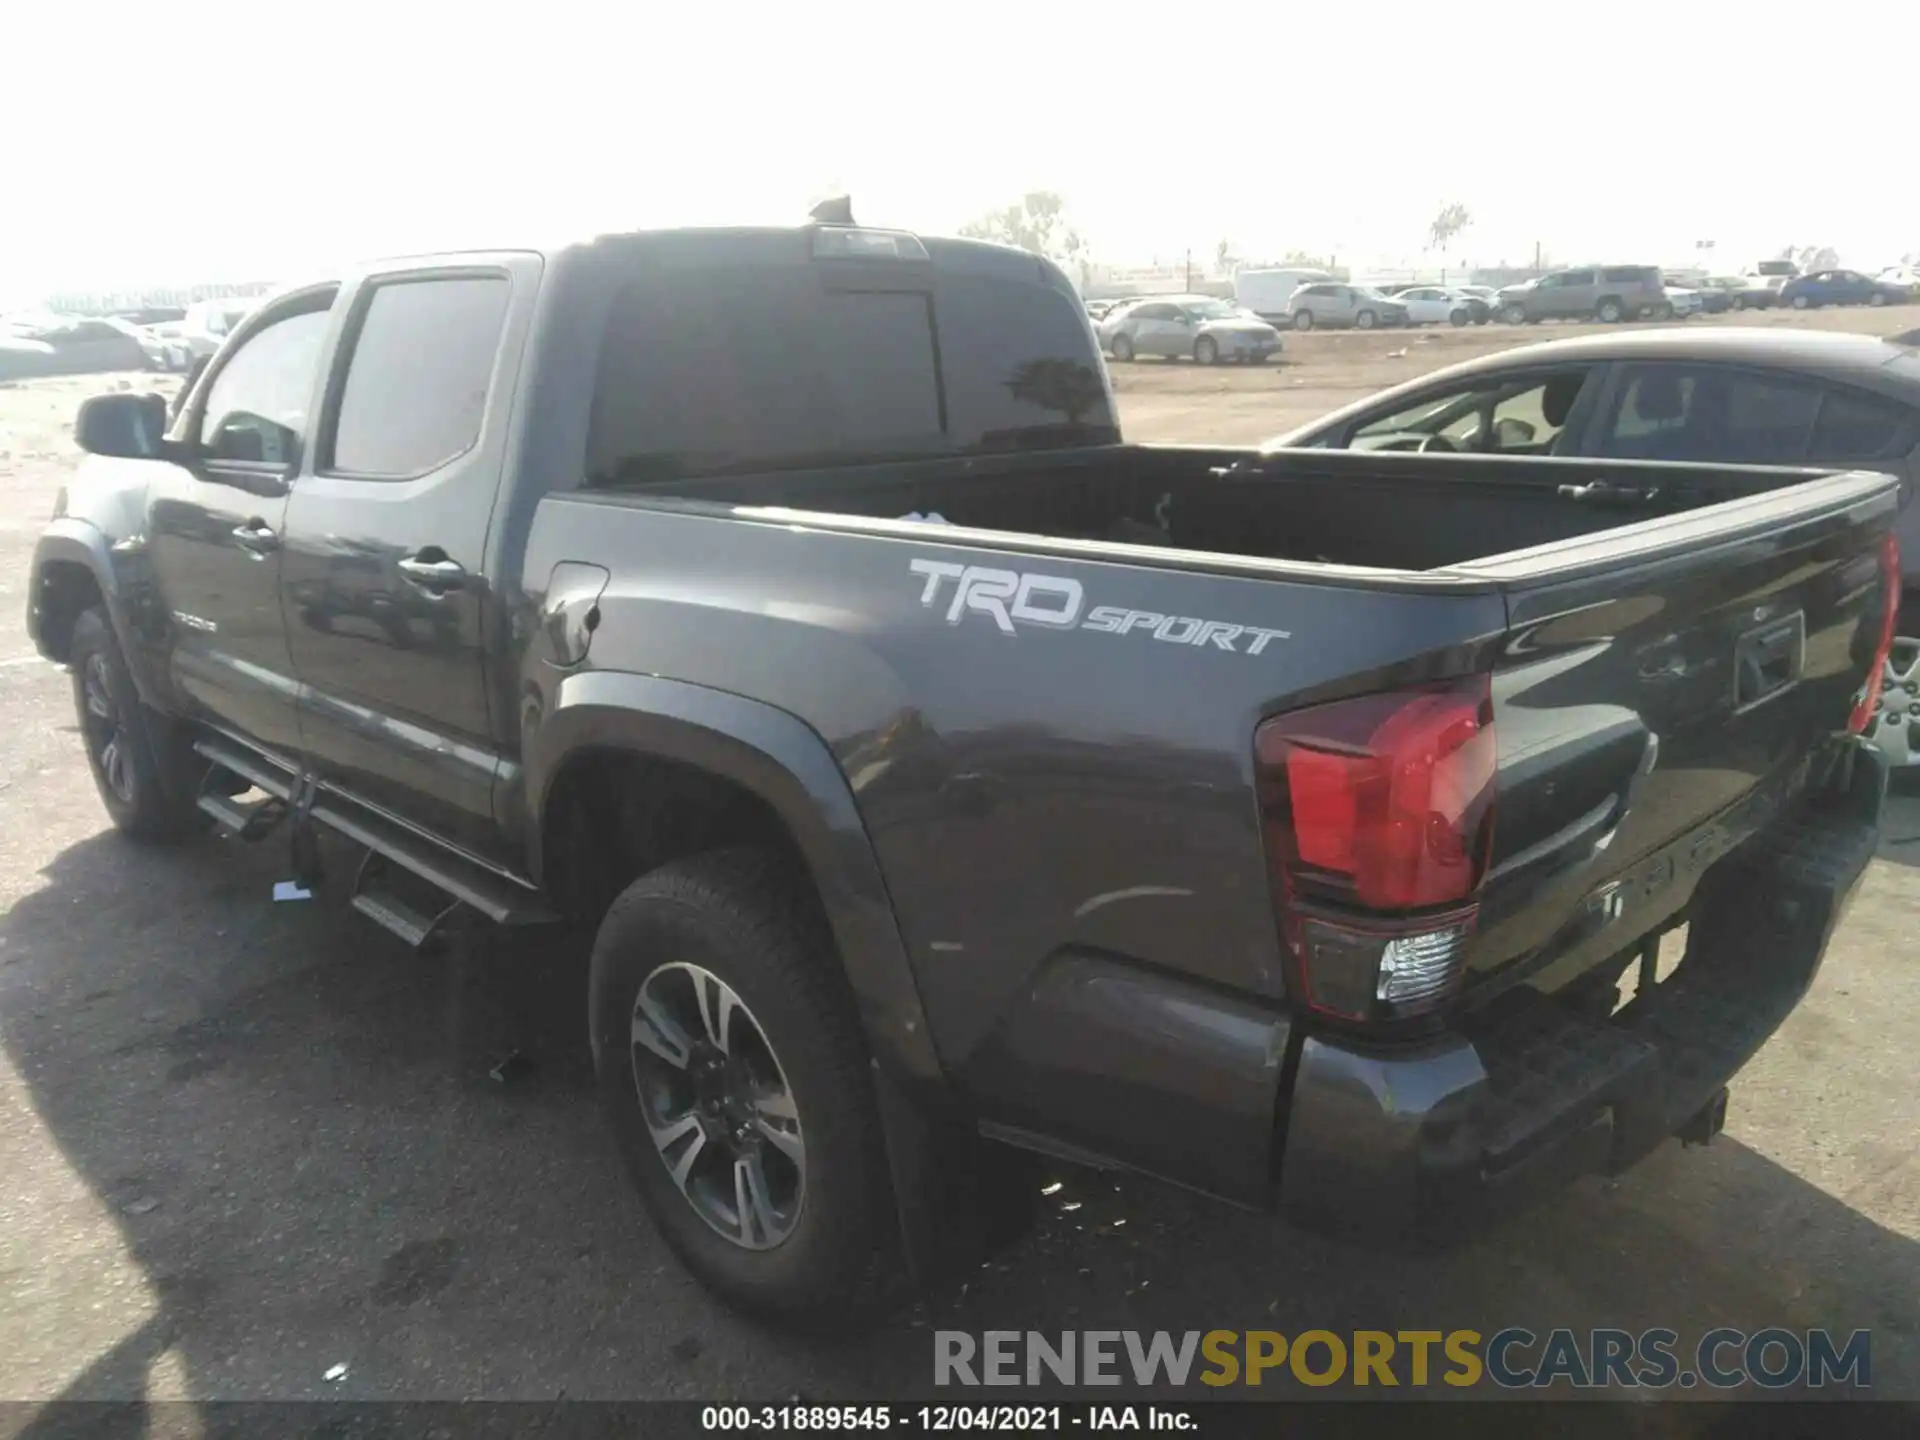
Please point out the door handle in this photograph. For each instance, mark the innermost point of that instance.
(441, 574)
(256, 538)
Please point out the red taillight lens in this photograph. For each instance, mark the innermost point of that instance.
(1382, 805)
(1387, 800)
(1869, 700)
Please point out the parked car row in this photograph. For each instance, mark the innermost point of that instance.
(75, 345)
(53, 344)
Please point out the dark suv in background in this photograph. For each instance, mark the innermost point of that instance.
(1602, 292)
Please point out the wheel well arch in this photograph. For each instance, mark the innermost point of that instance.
(612, 813)
(63, 590)
(628, 772)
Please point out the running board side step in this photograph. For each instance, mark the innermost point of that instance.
(377, 896)
(243, 822)
(463, 881)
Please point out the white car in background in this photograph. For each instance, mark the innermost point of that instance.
(1436, 305)
(207, 322)
(1682, 302)
(1906, 275)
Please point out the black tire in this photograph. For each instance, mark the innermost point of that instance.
(1365, 320)
(1609, 311)
(143, 764)
(1514, 315)
(1122, 349)
(744, 918)
(1206, 351)
(1303, 319)
(1876, 298)
(1459, 318)
(1801, 302)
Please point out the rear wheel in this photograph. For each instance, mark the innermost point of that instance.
(732, 1069)
(1303, 319)
(1513, 315)
(1459, 318)
(1122, 349)
(143, 765)
(1801, 302)
(1876, 298)
(1365, 320)
(1206, 350)
(1664, 310)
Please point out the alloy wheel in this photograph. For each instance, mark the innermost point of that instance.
(718, 1107)
(106, 737)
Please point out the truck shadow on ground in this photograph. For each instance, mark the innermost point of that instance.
(291, 1129)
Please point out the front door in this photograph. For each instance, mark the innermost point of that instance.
(214, 526)
(384, 580)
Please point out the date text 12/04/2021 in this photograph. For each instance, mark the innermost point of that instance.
(942, 1419)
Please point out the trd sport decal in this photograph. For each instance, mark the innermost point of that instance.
(1012, 600)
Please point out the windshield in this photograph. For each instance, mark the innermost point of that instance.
(1210, 310)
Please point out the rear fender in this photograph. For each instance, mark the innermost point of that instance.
(778, 758)
(949, 1186)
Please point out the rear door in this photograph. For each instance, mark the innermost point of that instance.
(384, 585)
(1576, 293)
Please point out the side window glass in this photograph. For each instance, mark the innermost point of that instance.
(257, 407)
(1859, 427)
(416, 387)
(1529, 421)
(1710, 413)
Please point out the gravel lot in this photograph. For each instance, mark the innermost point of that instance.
(244, 1143)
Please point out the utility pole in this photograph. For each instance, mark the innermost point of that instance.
(1536, 257)
(1188, 289)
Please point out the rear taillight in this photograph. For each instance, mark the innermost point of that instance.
(1378, 818)
(1869, 700)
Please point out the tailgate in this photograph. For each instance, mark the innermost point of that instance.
(1663, 691)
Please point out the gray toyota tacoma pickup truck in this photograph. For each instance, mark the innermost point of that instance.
(942, 779)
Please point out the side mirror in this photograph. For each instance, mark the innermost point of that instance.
(126, 427)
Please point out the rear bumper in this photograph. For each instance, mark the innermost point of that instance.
(1428, 1145)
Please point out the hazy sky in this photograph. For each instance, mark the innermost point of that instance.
(174, 142)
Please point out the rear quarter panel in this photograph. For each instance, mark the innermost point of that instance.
(1056, 810)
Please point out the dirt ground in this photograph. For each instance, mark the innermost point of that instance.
(246, 1143)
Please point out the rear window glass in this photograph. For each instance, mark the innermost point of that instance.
(1629, 274)
(1019, 369)
(748, 368)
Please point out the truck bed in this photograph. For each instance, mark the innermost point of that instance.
(1368, 510)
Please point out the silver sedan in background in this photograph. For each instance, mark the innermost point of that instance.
(1193, 326)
